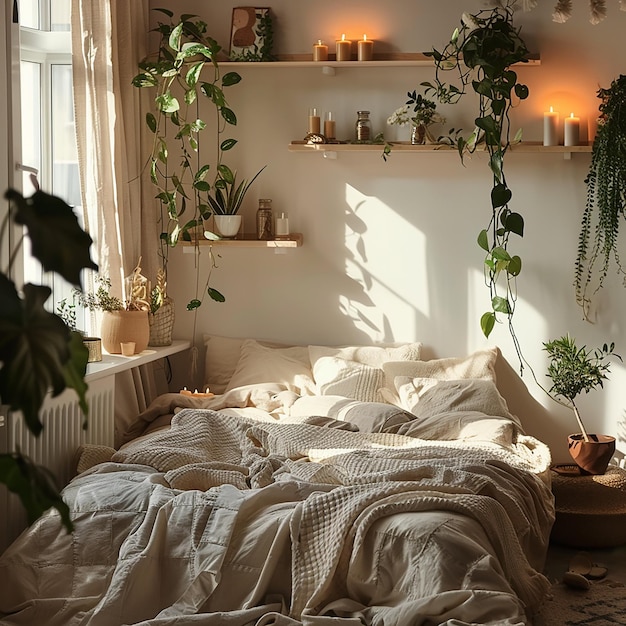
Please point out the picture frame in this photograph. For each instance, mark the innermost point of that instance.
(251, 34)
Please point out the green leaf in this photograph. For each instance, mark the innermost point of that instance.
(175, 37)
(34, 349)
(202, 185)
(228, 144)
(230, 78)
(35, 487)
(500, 305)
(515, 266)
(226, 173)
(57, 240)
(193, 304)
(215, 295)
(521, 91)
(500, 195)
(193, 74)
(201, 173)
(144, 80)
(515, 224)
(75, 370)
(167, 103)
(487, 322)
(151, 122)
(229, 116)
(500, 254)
(483, 240)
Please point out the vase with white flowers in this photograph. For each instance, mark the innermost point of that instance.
(418, 112)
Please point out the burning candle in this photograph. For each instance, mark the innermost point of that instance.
(314, 121)
(571, 131)
(320, 51)
(365, 50)
(196, 394)
(551, 128)
(329, 126)
(343, 49)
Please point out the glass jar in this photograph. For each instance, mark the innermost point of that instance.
(363, 126)
(264, 219)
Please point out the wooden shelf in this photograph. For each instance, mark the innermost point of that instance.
(394, 59)
(405, 146)
(247, 240)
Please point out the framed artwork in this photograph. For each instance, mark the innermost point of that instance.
(251, 35)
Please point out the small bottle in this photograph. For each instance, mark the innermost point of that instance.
(282, 226)
(264, 219)
(363, 126)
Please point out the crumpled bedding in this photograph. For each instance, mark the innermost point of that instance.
(226, 519)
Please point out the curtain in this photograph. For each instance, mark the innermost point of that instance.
(109, 38)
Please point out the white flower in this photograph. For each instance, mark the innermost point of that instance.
(400, 117)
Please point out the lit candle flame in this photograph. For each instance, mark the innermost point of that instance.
(364, 37)
(343, 37)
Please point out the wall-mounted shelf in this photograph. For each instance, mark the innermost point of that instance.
(247, 240)
(330, 150)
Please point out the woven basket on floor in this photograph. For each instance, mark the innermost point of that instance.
(162, 324)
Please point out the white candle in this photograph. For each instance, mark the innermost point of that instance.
(571, 131)
(282, 227)
(320, 51)
(343, 49)
(551, 128)
(365, 51)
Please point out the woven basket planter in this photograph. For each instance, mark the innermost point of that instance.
(124, 326)
(162, 324)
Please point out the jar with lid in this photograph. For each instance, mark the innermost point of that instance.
(363, 126)
(264, 219)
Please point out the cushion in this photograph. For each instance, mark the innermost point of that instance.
(369, 417)
(425, 397)
(374, 356)
(262, 364)
(221, 358)
(338, 377)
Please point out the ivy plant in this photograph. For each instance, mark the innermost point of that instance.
(606, 197)
(39, 354)
(480, 56)
(183, 72)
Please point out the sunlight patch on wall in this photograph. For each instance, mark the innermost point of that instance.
(386, 255)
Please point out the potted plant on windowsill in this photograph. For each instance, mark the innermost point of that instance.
(573, 370)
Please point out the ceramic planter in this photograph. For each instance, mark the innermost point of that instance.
(227, 225)
(591, 456)
(122, 327)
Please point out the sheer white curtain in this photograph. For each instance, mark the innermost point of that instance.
(109, 38)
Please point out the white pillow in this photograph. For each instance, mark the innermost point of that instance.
(338, 377)
(425, 397)
(260, 364)
(374, 356)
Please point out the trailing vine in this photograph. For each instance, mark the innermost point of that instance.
(480, 53)
(606, 198)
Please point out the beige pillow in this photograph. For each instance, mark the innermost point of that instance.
(425, 397)
(374, 356)
(261, 364)
(338, 377)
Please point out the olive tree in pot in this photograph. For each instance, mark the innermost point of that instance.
(573, 370)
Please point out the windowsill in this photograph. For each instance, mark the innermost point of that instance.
(114, 363)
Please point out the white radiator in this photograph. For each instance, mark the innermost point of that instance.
(56, 447)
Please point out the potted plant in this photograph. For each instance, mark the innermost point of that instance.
(481, 53)
(38, 352)
(424, 113)
(121, 322)
(573, 370)
(606, 197)
(161, 315)
(182, 73)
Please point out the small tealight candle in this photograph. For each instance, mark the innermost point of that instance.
(343, 49)
(314, 121)
(571, 130)
(196, 394)
(320, 51)
(329, 125)
(551, 128)
(365, 49)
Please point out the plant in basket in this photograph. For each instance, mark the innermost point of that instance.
(573, 370)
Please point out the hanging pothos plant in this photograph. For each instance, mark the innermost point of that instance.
(481, 53)
(177, 168)
(606, 197)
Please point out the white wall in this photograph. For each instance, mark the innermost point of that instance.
(389, 248)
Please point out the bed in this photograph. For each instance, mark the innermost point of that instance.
(318, 486)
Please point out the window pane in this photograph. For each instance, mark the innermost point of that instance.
(60, 14)
(29, 13)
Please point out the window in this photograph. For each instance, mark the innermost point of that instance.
(47, 114)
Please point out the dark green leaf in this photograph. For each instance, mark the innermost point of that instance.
(151, 122)
(500, 196)
(215, 295)
(521, 91)
(228, 144)
(483, 240)
(500, 305)
(515, 224)
(229, 115)
(57, 240)
(193, 304)
(515, 266)
(230, 78)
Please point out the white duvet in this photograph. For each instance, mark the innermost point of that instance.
(221, 519)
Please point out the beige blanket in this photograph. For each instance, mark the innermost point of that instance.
(225, 520)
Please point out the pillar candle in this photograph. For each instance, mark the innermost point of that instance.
(571, 131)
(314, 121)
(551, 128)
(320, 51)
(365, 50)
(329, 126)
(343, 49)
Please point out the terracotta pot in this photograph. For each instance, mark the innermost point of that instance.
(123, 326)
(591, 456)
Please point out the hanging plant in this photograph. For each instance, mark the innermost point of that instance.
(481, 53)
(606, 197)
